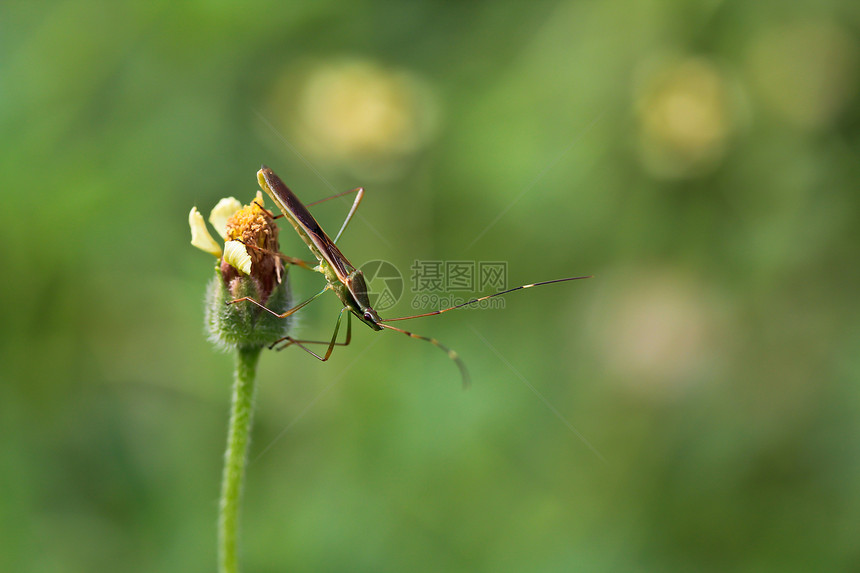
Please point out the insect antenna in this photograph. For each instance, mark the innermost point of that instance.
(451, 353)
(474, 300)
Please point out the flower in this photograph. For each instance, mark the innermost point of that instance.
(200, 236)
(356, 113)
(688, 110)
(250, 267)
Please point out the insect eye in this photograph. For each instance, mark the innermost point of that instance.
(367, 315)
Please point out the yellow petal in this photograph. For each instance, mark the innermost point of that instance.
(200, 236)
(225, 209)
(237, 256)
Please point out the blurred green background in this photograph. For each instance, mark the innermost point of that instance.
(699, 158)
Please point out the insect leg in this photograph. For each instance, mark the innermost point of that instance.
(291, 260)
(464, 373)
(297, 262)
(359, 196)
(270, 311)
(269, 213)
(331, 344)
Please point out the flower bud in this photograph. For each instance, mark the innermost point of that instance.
(251, 267)
(244, 324)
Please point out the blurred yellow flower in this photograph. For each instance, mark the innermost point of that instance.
(686, 113)
(357, 113)
(658, 334)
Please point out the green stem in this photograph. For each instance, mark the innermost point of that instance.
(241, 417)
